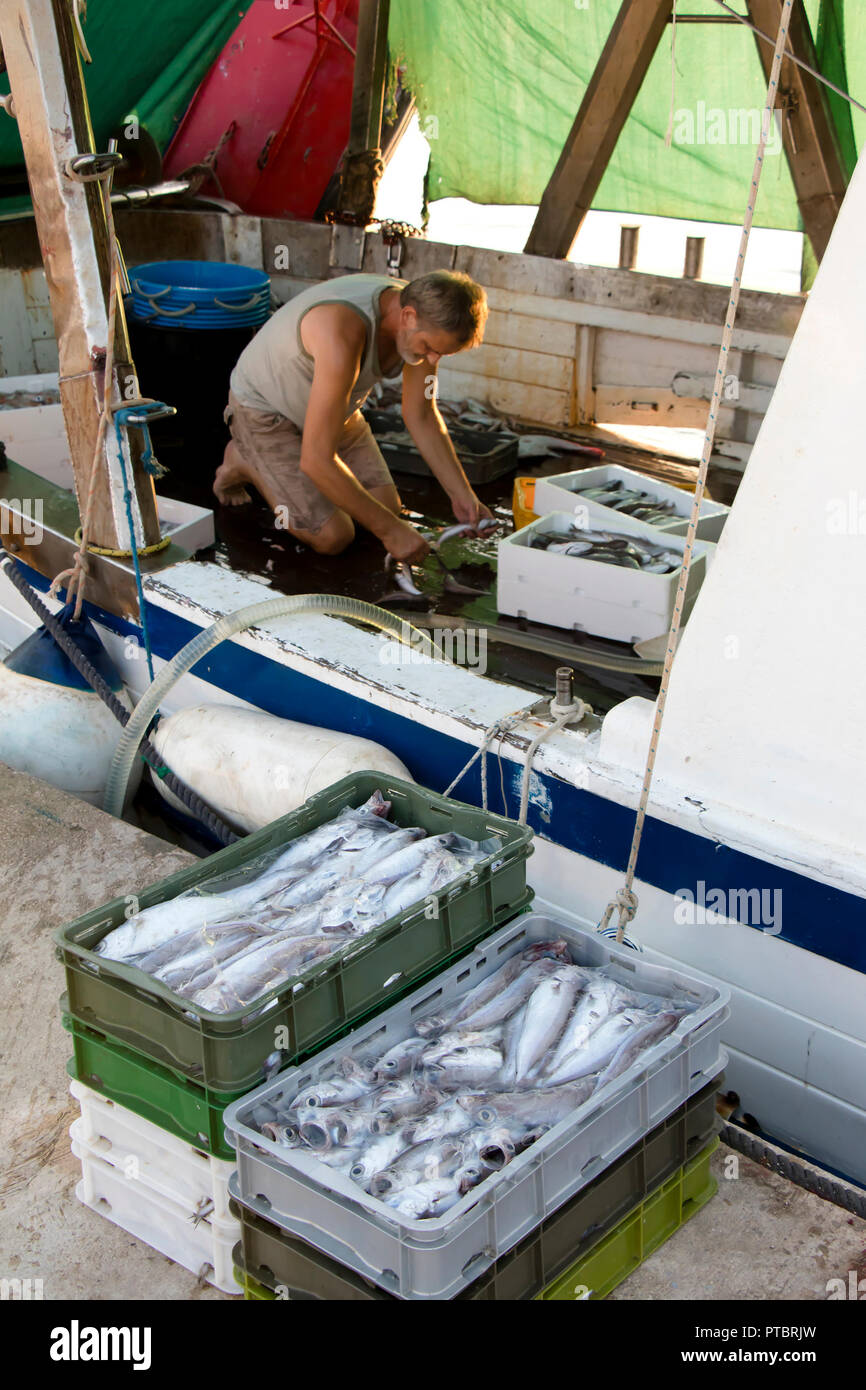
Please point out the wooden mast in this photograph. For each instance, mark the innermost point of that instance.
(363, 164)
(608, 99)
(50, 106)
(808, 132)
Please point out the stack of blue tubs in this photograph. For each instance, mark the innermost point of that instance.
(198, 295)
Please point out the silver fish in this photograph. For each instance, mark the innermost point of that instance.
(510, 999)
(486, 1037)
(652, 1032)
(433, 1158)
(601, 998)
(471, 1066)
(377, 1156)
(339, 1090)
(431, 1198)
(398, 1105)
(250, 975)
(450, 1118)
(546, 1015)
(399, 1060)
(599, 1050)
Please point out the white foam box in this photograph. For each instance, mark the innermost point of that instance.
(568, 591)
(560, 493)
(203, 1247)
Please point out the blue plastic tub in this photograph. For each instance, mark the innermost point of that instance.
(198, 295)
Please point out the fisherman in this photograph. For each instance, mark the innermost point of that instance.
(298, 435)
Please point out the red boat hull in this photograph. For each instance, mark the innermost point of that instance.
(278, 104)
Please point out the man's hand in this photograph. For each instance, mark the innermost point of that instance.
(468, 508)
(403, 542)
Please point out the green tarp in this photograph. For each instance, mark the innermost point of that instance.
(499, 82)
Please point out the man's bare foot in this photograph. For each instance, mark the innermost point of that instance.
(230, 479)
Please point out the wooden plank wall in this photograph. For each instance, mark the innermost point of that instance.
(566, 344)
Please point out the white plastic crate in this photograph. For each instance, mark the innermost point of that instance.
(196, 1181)
(625, 605)
(559, 493)
(436, 1258)
(203, 1247)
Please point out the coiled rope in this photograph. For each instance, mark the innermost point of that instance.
(625, 903)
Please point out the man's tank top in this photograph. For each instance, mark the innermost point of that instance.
(274, 373)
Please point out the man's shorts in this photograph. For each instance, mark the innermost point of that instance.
(275, 442)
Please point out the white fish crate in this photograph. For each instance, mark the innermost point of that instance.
(437, 1258)
(204, 1247)
(559, 493)
(162, 1162)
(625, 605)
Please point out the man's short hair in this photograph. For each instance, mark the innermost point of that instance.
(451, 301)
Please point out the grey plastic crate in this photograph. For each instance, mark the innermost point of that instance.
(436, 1258)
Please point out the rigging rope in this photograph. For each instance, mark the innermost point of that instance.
(625, 902)
(792, 58)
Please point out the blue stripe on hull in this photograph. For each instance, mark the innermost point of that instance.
(815, 916)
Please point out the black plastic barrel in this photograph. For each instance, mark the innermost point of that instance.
(190, 371)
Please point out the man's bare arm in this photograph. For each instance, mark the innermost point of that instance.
(430, 433)
(335, 338)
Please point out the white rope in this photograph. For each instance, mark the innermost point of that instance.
(625, 902)
(669, 133)
(502, 726)
(568, 716)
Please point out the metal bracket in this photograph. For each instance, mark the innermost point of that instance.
(87, 168)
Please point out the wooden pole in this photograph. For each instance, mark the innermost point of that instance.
(363, 165)
(50, 106)
(808, 133)
(608, 99)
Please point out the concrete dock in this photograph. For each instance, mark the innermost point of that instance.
(760, 1238)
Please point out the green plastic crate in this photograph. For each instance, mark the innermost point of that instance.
(168, 1099)
(226, 1052)
(618, 1255)
(268, 1258)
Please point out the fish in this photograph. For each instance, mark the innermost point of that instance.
(401, 573)
(377, 1156)
(630, 552)
(339, 1090)
(431, 1198)
(403, 1105)
(469, 1066)
(399, 1059)
(600, 998)
(431, 1158)
(246, 977)
(494, 1147)
(527, 1109)
(547, 1012)
(652, 1032)
(449, 1119)
(598, 1050)
(434, 1051)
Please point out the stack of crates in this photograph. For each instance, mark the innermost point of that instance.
(153, 1073)
(577, 1210)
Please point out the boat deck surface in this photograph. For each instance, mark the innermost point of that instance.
(760, 1238)
(247, 541)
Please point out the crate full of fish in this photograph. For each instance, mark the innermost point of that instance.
(250, 959)
(612, 488)
(617, 581)
(269, 1257)
(430, 1141)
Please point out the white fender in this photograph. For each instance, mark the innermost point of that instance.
(64, 736)
(252, 767)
